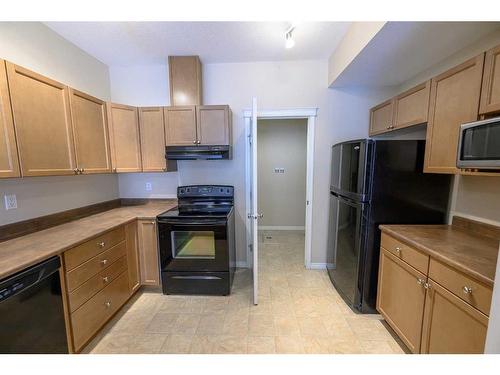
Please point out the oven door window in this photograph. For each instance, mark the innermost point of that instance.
(193, 244)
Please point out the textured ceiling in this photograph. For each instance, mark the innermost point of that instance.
(134, 43)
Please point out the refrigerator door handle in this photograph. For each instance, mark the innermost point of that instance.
(346, 200)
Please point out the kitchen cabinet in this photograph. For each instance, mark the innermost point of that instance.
(450, 324)
(399, 282)
(180, 126)
(381, 117)
(134, 273)
(185, 80)
(9, 162)
(490, 92)
(454, 101)
(153, 140)
(412, 106)
(213, 124)
(90, 130)
(148, 252)
(124, 138)
(42, 123)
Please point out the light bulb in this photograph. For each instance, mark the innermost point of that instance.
(290, 42)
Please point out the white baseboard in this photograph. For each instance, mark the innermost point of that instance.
(317, 266)
(280, 227)
(241, 264)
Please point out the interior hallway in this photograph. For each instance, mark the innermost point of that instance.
(299, 311)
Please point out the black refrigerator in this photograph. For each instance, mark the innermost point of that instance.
(376, 182)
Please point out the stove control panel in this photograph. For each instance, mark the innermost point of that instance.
(205, 191)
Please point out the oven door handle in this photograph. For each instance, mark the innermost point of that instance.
(188, 222)
(196, 277)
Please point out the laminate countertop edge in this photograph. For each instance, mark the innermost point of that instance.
(18, 254)
(392, 230)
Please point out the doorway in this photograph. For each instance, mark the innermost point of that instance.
(252, 119)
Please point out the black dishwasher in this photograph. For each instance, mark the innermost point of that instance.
(31, 311)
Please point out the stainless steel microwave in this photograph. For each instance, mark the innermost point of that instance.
(479, 145)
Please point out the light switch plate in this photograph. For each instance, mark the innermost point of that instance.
(10, 202)
(149, 186)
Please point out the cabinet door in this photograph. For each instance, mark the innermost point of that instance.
(42, 122)
(90, 129)
(152, 139)
(213, 124)
(180, 126)
(451, 325)
(148, 249)
(185, 80)
(412, 106)
(454, 101)
(381, 117)
(134, 273)
(9, 163)
(401, 297)
(490, 94)
(124, 138)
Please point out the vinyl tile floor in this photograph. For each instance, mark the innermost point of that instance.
(299, 311)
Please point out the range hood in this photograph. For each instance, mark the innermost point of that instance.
(198, 152)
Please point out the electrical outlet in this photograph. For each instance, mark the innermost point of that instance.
(10, 202)
(149, 186)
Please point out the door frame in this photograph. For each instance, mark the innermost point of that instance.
(310, 115)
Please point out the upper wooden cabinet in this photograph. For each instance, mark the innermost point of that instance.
(490, 94)
(198, 125)
(451, 326)
(124, 138)
(381, 117)
(90, 130)
(180, 126)
(213, 124)
(454, 101)
(42, 122)
(9, 163)
(412, 106)
(185, 80)
(398, 281)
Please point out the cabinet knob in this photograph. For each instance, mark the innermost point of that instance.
(153, 222)
(114, 170)
(75, 170)
(420, 281)
(82, 170)
(198, 142)
(107, 304)
(467, 289)
(104, 262)
(398, 250)
(101, 244)
(105, 279)
(194, 142)
(427, 286)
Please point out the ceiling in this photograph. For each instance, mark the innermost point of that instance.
(142, 43)
(401, 50)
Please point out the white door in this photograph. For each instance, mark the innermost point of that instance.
(254, 212)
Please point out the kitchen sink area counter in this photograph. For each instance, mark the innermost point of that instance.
(24, 251)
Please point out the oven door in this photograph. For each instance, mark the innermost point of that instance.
(193, 246)
(479, 145)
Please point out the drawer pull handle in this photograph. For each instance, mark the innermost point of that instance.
(101, 244)
(104, 262)
(467, 290)
(420, 281)
(108, 304)
(105, 279)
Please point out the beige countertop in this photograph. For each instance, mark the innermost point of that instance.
(22, 252)
(471, 253)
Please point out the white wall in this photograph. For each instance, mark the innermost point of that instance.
(35, 46)
(282, 196)
(475, 197)
(343, 114)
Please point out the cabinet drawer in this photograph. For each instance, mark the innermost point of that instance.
(76, 256)
(80, 274)
(479, 296)
(413, 257)
(90, 287)
(90, 317)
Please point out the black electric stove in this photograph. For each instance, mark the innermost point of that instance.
(197, 241)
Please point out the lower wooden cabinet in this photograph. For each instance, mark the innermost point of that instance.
(134, 272)
(399, 282)
(430, 316)
(148, 250)
(451, 325)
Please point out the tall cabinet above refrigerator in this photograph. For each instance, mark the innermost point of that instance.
(376, 182)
